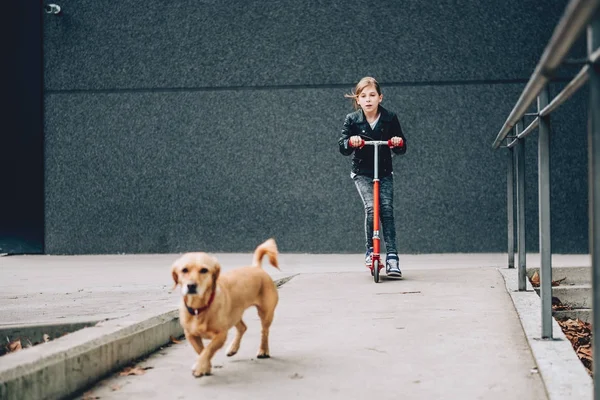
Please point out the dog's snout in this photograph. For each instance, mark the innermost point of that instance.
(191, 288)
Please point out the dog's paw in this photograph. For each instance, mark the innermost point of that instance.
(201, 374)
(194, 366)
(233, 348)
(202, 369)
(262, 354)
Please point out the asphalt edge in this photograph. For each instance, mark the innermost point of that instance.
(74, 362)
(562, 372)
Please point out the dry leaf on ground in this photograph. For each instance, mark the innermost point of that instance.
(558, 281)
(585, 351)
(535, 279)
(557, 305)
(14, 346)
(173, 340)
(134, 371)
(579, 334)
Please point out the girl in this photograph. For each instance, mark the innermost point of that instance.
(372, 121)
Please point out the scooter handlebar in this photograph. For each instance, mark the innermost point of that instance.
(381, 143)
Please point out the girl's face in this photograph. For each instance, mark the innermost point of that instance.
(369, 99)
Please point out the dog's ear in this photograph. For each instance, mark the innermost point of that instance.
(217, 271)
(175, 274)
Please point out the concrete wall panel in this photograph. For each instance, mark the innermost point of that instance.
(213, 125)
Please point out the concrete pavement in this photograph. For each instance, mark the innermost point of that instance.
(440, 334)
(50, 289)
(448, 330)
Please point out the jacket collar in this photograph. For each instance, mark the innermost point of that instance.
(385, 115)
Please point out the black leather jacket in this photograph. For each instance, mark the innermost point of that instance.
(387, 127)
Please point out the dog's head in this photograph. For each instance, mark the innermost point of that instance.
(196, 273)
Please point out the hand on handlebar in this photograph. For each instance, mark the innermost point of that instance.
(396, 141)
(356, 141)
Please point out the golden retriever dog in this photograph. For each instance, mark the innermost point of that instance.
(212, 302)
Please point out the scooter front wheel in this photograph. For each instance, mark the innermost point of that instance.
(376, 271)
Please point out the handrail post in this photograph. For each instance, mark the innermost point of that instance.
(544, 216)
(593, 40)
(520, 174)
(510, 209)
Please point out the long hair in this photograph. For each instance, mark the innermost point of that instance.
(360, 86)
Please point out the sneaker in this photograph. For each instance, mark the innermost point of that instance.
(392, 266)
(369, 258)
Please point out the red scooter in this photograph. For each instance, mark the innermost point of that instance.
(376, 265)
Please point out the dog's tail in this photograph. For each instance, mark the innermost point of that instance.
(270, 249)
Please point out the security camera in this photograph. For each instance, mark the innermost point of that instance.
(52, 9)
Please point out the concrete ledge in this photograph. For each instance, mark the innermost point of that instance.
(561, 370)
(34, 333)
(576, 296)
(73, 362)
(584, 314)
(576, 275)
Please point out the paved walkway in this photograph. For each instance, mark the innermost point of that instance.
(448, 330)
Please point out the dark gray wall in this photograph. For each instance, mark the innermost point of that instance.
(213, 125)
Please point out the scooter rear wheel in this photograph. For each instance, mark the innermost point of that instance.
(376, 271)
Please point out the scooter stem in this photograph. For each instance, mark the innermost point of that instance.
(376, 237)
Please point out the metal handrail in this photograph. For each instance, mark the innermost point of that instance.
(595, 56)
(580, 79)
(578, 15)
(534, 124)
(575, 19)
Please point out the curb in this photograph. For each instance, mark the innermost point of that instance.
(69, 364)
(35, 332)
(562, 372)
